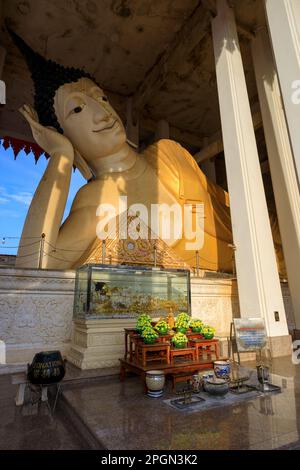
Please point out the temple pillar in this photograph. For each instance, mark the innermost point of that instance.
(258, 280)
(209, 169)
(284, 24)
(284, 178)
(162, 130)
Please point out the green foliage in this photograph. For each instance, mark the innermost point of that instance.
(182, 322)
(143, 321)
(208, 332)
(149, 335)
(179, 340)
(196, 324)
(162, 327)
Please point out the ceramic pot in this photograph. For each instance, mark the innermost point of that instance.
(196, 382)
(197, 330)
(163, 332)
(208, 335)
(155, 381)
(149, 341)
(47, 367)
(222, 369)
(180, 345)
(216, 386)
(182, 330)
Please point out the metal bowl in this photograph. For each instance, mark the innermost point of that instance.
(216, 386)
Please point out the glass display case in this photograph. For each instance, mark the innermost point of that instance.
(104, 291)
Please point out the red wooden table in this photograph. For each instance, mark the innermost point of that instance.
(202, 345)
(176, 352)
(133, 337)
(142, 350)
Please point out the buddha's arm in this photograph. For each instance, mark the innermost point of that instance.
(48, 204)
(74, 240)
(77, 236)
(47, 208)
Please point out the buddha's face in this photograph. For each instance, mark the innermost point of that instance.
(88, 120)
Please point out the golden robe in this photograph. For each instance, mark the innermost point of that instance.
(171, 175)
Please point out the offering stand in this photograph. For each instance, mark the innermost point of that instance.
(140, 357)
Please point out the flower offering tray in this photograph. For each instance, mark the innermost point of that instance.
(187, 404)
(239, 387)
(268, 388)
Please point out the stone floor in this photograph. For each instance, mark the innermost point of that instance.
(120, 416)
(32, 427)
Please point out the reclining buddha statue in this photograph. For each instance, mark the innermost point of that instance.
(73, 121)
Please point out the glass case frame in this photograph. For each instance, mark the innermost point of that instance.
(170, 292)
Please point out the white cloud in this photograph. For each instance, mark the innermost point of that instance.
(23, 197)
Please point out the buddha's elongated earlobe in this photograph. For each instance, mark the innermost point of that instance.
(82, 166)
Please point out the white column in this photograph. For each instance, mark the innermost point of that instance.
(257, 275)
(281, 161)
(162, 130)
(284, 24)
(209, 169)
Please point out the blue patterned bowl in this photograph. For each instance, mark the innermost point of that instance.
(222, 369)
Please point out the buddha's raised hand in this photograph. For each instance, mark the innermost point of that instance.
(47, 138)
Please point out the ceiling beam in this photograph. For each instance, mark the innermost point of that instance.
(193, 31)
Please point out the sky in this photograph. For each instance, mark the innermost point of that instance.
(18, 181)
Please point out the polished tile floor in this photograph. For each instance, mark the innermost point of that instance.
(121, 416)
(32, 427)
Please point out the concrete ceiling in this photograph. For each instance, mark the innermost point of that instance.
(119, 42)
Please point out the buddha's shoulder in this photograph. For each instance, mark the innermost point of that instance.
(91, 194)
(165, 146)
(168, 151)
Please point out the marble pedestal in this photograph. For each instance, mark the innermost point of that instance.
(98, 343)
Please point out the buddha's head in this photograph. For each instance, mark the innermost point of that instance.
(70, 101)
(87, 119)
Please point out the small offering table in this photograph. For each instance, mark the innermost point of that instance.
(133, 337)
(201, 345)
(143, 349)
(189, 352)
(170, 370)
(140, 357)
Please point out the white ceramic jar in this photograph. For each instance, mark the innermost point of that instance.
(155, 381)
